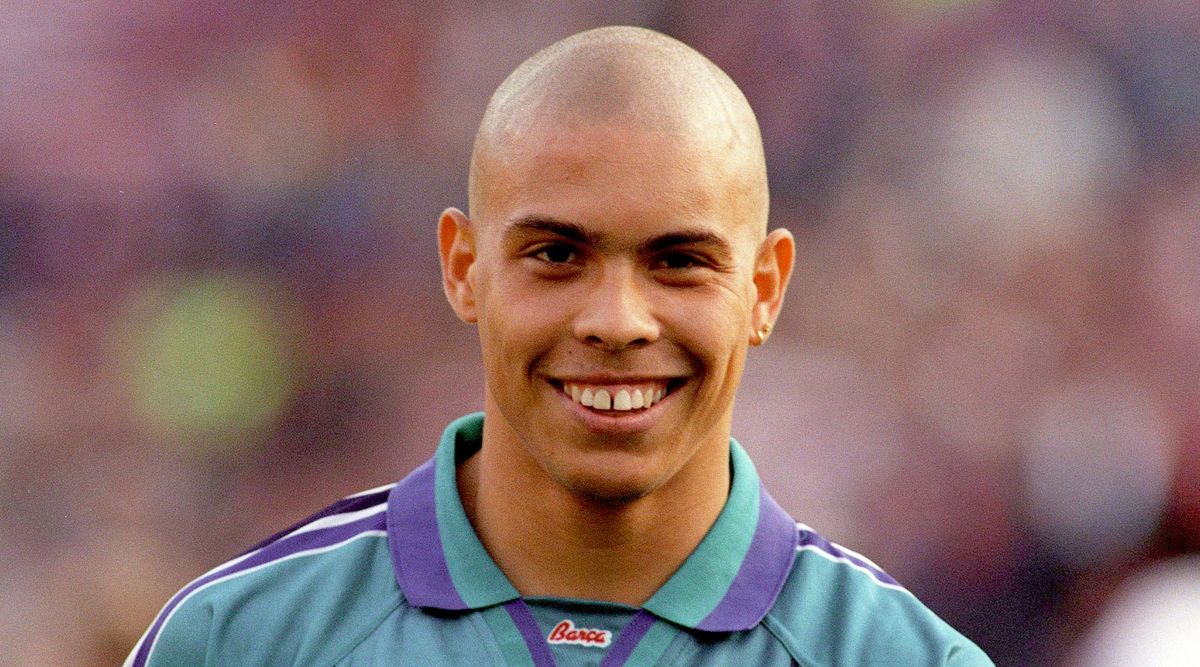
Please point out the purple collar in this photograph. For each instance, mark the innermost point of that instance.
(727, 584)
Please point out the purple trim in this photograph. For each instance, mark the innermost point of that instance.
(272, 552)
(416, 545)
(810, 538)
(762, 573)
(342, 506)
(531, 632)
(628, 640)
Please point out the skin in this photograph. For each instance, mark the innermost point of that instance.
(617, 232)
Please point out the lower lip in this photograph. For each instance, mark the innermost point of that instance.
(615, 422)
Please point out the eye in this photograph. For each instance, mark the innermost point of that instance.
(679, 260)
(556, 254)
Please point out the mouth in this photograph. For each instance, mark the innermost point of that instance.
(614, 398)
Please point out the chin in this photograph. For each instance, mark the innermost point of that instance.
(610, 497)
(609, 489)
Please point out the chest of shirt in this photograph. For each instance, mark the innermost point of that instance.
(545, 633)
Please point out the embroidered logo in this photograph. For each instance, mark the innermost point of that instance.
(566, 633)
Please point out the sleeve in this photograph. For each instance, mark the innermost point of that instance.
(178, 637)
(967, 654)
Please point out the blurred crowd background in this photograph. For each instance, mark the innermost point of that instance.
(220, 306)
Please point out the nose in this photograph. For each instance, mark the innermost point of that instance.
(616, 313)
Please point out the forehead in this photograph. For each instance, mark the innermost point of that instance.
(618, 179)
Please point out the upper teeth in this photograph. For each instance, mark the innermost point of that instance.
(616, 397)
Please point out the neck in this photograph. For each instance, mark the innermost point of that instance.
(550, 541)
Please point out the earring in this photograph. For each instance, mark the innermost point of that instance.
(761, 334)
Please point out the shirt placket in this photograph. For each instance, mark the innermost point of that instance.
(630, 641)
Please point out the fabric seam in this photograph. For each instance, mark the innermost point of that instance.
(784, 636)
(372, 630)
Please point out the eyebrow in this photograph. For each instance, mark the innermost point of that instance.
(689, 237)
(537, 223)
(576, 232)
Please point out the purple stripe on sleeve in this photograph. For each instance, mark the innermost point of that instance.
(343, 506)
(416, 545)
(531, 632)
(283, 548)
(628, 640)
(762, 573)
(810, 538)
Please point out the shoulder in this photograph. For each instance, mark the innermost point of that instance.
(838, 607)
(292, 593)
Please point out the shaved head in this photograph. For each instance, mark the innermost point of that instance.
(633, 79)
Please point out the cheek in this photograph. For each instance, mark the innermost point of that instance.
(518, 325)
(710, 327)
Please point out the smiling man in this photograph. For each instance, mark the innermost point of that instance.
(617, 264)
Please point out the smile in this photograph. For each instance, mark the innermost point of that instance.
(616, 397)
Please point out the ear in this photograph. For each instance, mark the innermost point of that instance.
(772, 271)
(456, 248)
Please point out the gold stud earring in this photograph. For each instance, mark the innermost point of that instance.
(760, 335)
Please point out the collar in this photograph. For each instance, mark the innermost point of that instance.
(727, 584)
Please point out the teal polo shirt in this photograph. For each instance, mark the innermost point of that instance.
(397, 576)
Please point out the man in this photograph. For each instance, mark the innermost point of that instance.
(617, 264)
